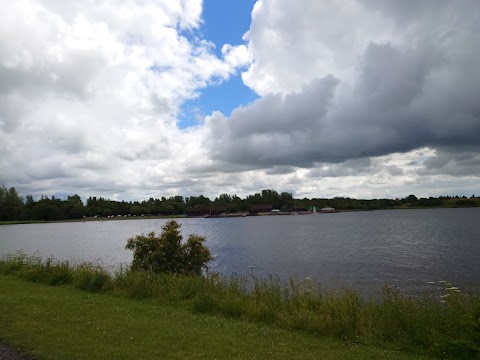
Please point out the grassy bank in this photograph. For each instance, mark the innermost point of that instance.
(155, 217)
(66, 323)
(447, 327)
(21, 222)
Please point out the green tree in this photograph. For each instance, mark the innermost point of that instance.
(167, 209)
(76, 212)
(75, 200)
(30, 203)
(107, 212)
(73, 207)
(45, 210)
(135, 210)
(11, 205)
(410, 199)
(167, 254)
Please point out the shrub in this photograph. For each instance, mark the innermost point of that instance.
(167, 254)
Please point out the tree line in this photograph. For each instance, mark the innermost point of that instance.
(16, 208)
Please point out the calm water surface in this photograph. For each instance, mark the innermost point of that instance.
(359, 250)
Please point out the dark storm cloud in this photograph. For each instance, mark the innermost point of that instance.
(459, 163)
(280, 170)
(402, 97)
(275, 130)
(408, 10)
(347, 168)
(357, 167)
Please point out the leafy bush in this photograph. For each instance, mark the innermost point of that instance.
(167, 254)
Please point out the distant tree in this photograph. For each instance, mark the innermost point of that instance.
(197, 201)
(167, 209)
(107, 212)
(11, 205)
(135, 210)
(45, 210)
(73, 207)
(223, 200)
(93, 210)
(167, 254)
(285, 199)
(75, 200)
(411, 199)
(430, 202)
(76, 212)
(29, 202)
(465, 203)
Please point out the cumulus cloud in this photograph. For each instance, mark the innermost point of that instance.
(275, 130)
(89, 93)
(459, 163)
(401, 76)
(362, 98)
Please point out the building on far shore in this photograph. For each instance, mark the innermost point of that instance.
(328, 210)
(205, 211)
(263, 208)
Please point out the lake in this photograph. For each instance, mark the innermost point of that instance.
(359, 250)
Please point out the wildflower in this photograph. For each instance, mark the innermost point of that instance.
(452, 288)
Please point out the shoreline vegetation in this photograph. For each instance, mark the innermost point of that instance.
(445, 326)
(16, 209)
(83, 325)
(184, 216)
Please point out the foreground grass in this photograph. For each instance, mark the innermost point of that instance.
(66, 323)
(446, 327)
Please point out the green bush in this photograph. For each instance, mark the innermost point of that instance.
(167, 254)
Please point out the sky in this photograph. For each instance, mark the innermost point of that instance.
(135, 99)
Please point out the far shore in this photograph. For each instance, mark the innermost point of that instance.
(229, 215)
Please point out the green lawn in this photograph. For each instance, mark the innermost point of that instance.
(66, 323)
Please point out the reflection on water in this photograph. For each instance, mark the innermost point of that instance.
(359, 250)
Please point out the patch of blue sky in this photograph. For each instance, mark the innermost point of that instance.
(224, 97)
(224, 22)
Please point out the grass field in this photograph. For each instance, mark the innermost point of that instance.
(66, 323)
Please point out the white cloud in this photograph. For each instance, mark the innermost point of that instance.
(236, 56)
(360, 98)
(90, 92)
(295, 42)
(342, 82)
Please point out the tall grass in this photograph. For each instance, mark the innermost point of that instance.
(447, 326)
